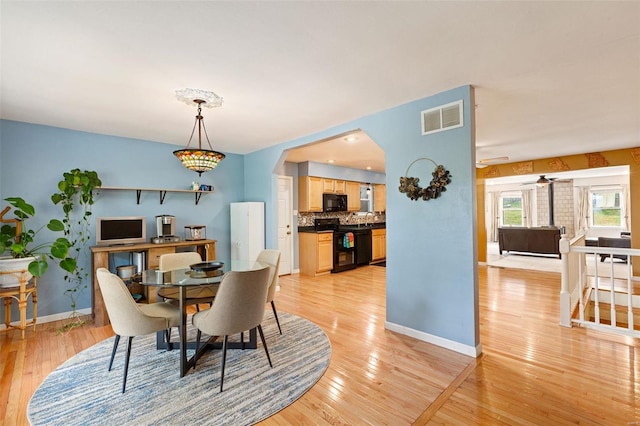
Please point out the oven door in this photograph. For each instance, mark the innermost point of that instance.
(344, 258)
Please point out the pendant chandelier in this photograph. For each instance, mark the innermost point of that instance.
(198, 159)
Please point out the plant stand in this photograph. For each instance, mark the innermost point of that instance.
(21, 294)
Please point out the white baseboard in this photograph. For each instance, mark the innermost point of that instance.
(51, 318)
(438, 341)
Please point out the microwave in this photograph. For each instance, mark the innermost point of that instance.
(334, 203)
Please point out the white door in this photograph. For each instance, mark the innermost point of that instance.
(285, 225)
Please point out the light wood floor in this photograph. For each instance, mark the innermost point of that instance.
(532, 371)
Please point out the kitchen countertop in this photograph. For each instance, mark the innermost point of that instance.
(356, 227)
(311, 229)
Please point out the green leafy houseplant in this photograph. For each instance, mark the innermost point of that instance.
(24, 245)
(76, 197)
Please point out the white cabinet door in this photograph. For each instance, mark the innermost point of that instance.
(247, 234)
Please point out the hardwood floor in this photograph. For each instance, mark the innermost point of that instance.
(532, 370)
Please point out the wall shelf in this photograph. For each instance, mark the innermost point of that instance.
(160, 191)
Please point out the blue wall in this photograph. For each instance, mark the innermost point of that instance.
(431, 245)
(33, 158)
(310, 168)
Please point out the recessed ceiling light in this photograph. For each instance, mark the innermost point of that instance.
(330, 161)
(368, 167)
(350, 138)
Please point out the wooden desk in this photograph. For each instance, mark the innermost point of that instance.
(100, 259)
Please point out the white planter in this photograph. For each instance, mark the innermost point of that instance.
(8, 263)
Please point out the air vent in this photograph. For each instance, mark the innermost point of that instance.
(441, 118)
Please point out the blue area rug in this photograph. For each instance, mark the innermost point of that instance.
(82, 392)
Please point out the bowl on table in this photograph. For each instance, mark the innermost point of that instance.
(206, 269)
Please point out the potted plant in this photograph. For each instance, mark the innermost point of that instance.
(20, 249)
(76, 197)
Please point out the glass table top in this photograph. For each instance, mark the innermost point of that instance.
(180, 277)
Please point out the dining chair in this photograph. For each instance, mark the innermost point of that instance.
(130, 319)
(238, 306)
(271, 258)
(195, 295)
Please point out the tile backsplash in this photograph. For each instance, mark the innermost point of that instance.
(346, 218)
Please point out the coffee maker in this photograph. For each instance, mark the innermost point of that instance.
(165, 229)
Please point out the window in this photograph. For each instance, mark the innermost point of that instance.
(511, 209)
(606, 209)
(365, 198)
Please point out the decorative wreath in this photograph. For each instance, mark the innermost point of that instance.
(409, 185)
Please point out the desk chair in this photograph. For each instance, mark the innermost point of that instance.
(238, 306)
(130, 319)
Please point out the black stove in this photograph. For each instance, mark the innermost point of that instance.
(344, 249)
(328, 224)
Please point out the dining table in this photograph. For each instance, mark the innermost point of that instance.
(183, 279)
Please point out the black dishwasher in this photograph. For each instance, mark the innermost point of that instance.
(362, 239)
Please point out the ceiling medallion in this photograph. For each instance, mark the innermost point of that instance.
(199, 160)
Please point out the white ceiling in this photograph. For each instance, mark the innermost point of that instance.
(552, 78)
(605, 173)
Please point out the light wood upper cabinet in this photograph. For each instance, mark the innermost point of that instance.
(327, 185)
(310, 190)
(333, 186)
(378, 244)
(379, 198)
(353, 196)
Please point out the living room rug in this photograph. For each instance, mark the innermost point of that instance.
(550, 263)
(82, 392)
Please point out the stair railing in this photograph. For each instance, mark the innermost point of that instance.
(581, 291)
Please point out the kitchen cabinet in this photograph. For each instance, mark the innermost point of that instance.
(353, 196)
(310, 193)
(378, 245)
(316, 253)
(311, 188)
(379, 198)
(333, 186)
(327, 185)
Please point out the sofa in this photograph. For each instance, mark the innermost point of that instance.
(539, 240)
(621, 242)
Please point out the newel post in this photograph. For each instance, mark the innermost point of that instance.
(565, 296)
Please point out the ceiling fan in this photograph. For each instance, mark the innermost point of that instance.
(489, 161)
(543, 181)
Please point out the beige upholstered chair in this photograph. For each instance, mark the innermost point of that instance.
(238, 306)
(271, 258)
(130, 319)
(195, 295)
